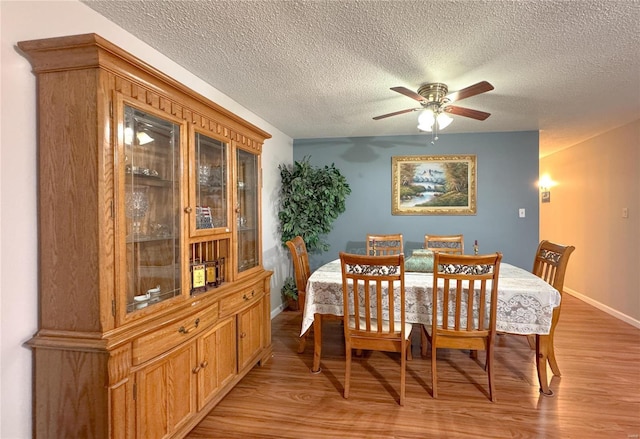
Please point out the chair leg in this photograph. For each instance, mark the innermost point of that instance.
(551, 356)
(489, 368)
(434, 378)
(317, 343)
(403, 369)
(302, 343)
(347, 371)
(542, 349)
(424, 341)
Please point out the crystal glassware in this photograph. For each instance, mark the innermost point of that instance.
(204, 174)
(137, 205)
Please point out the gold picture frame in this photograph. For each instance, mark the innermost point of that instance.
(433, 185)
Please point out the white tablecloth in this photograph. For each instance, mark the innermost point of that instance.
(525, 301)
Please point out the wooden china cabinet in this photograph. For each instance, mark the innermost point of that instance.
(153, 299)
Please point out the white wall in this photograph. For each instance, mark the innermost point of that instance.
(595, 180)
(25, 20)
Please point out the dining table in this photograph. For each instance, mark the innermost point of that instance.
(525, 307)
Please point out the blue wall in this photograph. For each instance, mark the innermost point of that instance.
(507, 172)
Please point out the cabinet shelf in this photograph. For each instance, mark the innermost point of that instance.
(148, 180)
(149, 239)
(153, 299)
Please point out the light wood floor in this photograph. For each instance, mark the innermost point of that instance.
(598, 395)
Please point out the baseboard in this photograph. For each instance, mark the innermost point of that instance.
(278, 310)
(615, 313)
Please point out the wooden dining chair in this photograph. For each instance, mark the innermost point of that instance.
(372, 285)
(550, 264)
(462, 283)
(378, 245)
(300, 258)
(453, 244)
(302, 271)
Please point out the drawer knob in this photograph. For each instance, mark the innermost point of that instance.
(204, 364)
(196, 369)
(243, 335)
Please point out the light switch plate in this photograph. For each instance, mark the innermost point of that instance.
(521, 212)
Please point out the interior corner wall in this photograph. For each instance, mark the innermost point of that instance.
(507, 172)
(595, 181)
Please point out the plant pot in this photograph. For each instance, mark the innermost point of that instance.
(292, 305)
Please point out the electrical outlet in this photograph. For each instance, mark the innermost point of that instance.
(521, 212)
(625, 212)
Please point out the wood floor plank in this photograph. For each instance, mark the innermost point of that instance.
(598, 395)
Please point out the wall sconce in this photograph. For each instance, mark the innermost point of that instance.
(545, 185)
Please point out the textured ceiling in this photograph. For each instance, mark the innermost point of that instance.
(314, 69)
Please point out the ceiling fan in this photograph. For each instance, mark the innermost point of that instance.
(435, 98)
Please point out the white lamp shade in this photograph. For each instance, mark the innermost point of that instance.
(443, 120)
(144, 138)
(426, 120)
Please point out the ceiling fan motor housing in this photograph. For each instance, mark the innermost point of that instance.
(434, 91)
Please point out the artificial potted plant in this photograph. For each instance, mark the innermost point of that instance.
(311, 198)
(290, 293)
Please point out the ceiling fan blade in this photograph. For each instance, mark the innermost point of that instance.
(396, 113)
(410, 93)
(466, 112)
(472, 90)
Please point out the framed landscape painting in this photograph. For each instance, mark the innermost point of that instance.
(433, 185)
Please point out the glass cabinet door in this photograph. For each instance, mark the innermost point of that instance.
(151, 201)
(247, 210)
(211, 183)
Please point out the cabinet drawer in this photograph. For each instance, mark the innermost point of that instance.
(169, 336)
(240, 299)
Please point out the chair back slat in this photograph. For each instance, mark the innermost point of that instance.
(482, 305)
(445, 304)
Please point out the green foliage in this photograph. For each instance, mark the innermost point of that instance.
(410, 191)
(456, 174)
(289, 289)
(311, 198)
(448, 199)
